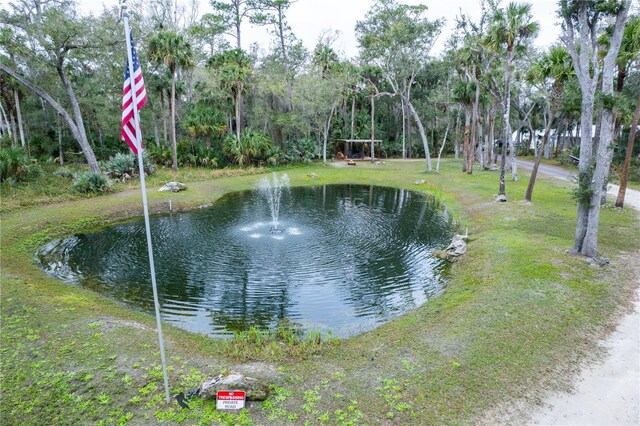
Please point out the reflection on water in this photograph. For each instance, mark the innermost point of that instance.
(348, 259)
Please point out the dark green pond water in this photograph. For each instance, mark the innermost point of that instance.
(350, 258)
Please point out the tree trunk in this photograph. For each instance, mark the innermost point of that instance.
(596, 131)
(593, 179)
(627, 158)
(474, 123)
(164, 118)
(507, 127)
(444, 140)
(373, 128)
(568, 132)
(584, 164)
(456, 147)
(76, 129)
(479, 137)
(172, 107)
(404, 128)
(325, 134)
(240, 112)
(84, 144)
(3, 127)
(513, 161)
(237, 113)
(531, 134)
(353, 113)
(60, 150)
(285, 62)
(14, 132)
(156, 135)
(467, 165)
(603, 162)
(238, 22)
(345, 116)
(4, 122)
(536, 164)
(409, 133)
(423, 136)
(20, 128)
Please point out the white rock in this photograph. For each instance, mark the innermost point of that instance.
(173, 187)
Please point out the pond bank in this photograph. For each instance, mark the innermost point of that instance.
(517, 315)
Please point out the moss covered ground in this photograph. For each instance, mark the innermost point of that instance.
(518, 317)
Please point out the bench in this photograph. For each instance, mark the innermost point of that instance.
(574, 159)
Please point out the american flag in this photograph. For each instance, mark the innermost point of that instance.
(129, 130)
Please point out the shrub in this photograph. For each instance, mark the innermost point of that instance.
(252, 147)
(275, 156)
(194, 153)
(14, 165)
(33, 172)
(161, 155)
(302, 150)
(63, 172)
(88, 183)
(120, 164)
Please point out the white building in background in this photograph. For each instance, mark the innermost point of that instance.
(538, 134)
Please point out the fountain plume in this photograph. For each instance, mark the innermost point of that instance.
(272, 191)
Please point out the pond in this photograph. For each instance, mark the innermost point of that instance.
(345, 259)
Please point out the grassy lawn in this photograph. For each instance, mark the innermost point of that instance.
(518, 317)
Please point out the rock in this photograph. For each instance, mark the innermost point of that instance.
(125, 177)
(173, 187)
(351, 163)
(420, 182)
(255, 390)
(493, 168)
(457, 248)
(501, 198)
(313, 176)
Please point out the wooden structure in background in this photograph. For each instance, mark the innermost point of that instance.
(348, 143)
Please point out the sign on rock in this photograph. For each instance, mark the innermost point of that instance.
(230, 400)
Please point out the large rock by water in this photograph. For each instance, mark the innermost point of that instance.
(256, 390)
(457, 248)
(173, 187)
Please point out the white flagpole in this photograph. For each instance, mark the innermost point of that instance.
(136, 118)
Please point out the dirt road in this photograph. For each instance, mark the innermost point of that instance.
(631, 199)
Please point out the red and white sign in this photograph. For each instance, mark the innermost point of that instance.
(230, 400)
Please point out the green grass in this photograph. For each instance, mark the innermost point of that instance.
(518, 314)
(50, 188)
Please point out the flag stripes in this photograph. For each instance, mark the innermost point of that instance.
(129, 131)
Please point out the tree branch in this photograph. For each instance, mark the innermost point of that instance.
(44, 95)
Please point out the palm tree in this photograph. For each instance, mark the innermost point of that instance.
(325, 58)
(555, 64)
(234, 69)
(510, 29)
(175, 52)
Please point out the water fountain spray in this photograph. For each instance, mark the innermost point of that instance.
(272, 190)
